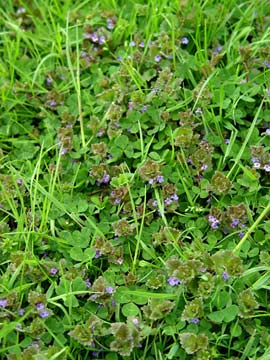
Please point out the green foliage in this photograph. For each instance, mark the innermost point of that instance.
(134, 184)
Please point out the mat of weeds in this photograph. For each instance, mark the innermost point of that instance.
(134, 181)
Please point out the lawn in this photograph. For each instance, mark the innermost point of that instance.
(134, 181)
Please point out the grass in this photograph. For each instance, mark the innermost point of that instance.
(134, 182)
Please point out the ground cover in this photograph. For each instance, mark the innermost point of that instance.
(134, 182)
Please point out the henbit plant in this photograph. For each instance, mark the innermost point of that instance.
(134, 184)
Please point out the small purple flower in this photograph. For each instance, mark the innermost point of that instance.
(175, 197)
(225, 275)
(19, 326)
(254, 160)
(100, 133)
(53, 271)
(199, 111)
(203, 270)
(40, 306)
(94, 37)
(214, 226)
(141, 44)
(184, 40)
(267, 132)
(101, 40)
(227, 141)
(110, 24)
(132, 43)
(158, 58)
(19, 181)
(234, 223)
(173, 281)
(119, 58)
(49, 81)
(241, 234)
(135, 322)
(52, 103)
(117, 201)
(168, 201)
(256, 165)
(267, 167)
(217, 50)
(21, 312)
(97, 254)
(151, 181)
(44, 314)
(155, 203)
(64, 151)
(21, 10)
(106, 178)
(204, 167)
(144, 109)
(3, 303)
(88, 283)
(160, 179)
(266, 64)
(83, 54)
(109, 290)
(194, 320)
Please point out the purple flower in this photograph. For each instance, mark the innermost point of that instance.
(119, 57)
(155, 203)
(21, 10)
(173, 281)
(109, 289)
(234, 223)
(52, 103)
(141, 44)
(199, 111)
(225, 275)
(227, 141)
(44, 314)
(214, 226)
(217, 50)
(175, 197)
(3, 303)
(144, 108)
(267, 64)
(203, 270)
(158, 58)
(106, 179)
(241, 234)
(98, 254)
(21, 312)
(151, 181)
(168, 201)
(53, 271)
(83, 54)
(101, 40)
(194, 320)
(256, 165)
(184, 40)
(267, 167)
(88, 283)
(132, 43)
(160, 179)
(49, 81)
(19, 181)
(64, 151)
(267, 132)
(204, 166)
(117, 201)
(130, 105)
(40, 306)
(110, 24)
(94, 37)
